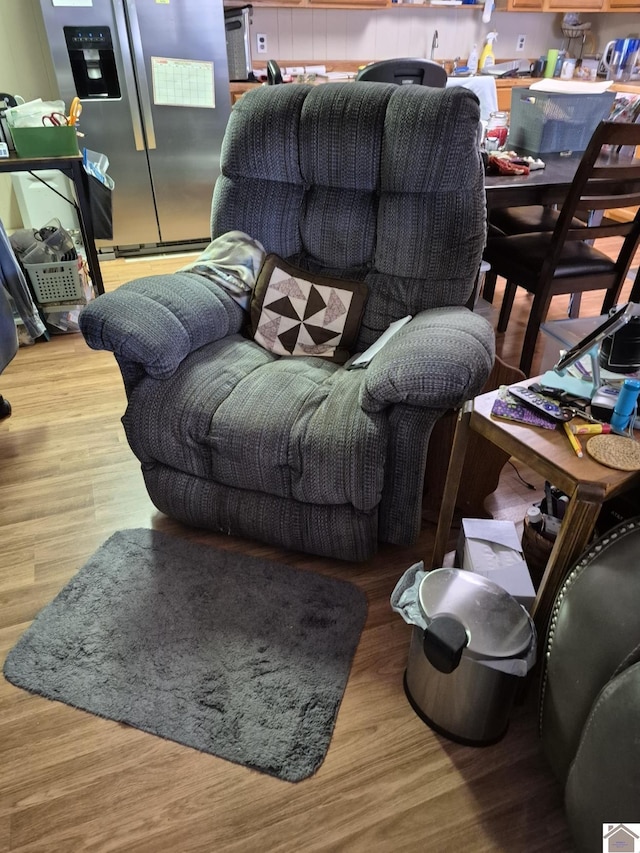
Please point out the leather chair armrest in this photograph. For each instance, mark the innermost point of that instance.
(157, 321)
(438, 360)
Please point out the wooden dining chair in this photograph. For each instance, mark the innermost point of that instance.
(424, 72)
(563, 261)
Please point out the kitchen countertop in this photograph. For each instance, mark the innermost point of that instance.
(503, 83)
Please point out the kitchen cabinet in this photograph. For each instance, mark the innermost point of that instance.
(341, 4)
(574, 5)
(355, 4)
(525, 5)
(554, 5)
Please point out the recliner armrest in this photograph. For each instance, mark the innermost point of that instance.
(438, 360)
(157, 321)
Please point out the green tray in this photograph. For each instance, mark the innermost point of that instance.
(45, 141)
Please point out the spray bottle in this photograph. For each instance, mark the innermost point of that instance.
(472, 61)
(487, 59)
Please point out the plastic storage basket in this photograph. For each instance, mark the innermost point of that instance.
(45, 141)
(549, 122)
(59, 282)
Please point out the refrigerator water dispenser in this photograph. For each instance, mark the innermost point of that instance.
(93, 63)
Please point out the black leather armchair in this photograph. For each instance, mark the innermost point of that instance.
(590, 697)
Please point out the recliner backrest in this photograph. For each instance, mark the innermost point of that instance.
(370, 181)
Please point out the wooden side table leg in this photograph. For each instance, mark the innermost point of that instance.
(454, 472)
(575, 534)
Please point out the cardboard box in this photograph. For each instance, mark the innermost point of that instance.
(493, 549)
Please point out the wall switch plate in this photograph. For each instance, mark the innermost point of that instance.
(520, 43)
(261, 42)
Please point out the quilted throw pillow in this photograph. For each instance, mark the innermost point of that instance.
(294, 312)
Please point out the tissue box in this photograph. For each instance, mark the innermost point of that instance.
(492, 549)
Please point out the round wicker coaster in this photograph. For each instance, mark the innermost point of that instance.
(615, 451)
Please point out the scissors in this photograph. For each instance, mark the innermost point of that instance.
(74, 112)
(54, 120)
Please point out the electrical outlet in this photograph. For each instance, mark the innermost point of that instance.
(520, 43)
(261, 42)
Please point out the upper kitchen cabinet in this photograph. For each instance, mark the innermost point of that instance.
(347, 4)
(571, 5)
(355, 4)
(525, 5)
(574, 5)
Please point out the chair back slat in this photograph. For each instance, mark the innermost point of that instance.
(605, 179)
(598, 232)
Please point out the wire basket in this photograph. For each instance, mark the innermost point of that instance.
(61, 282)
(576, 31)
(547, 122)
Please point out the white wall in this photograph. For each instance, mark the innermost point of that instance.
(25, 69)
(344, 34)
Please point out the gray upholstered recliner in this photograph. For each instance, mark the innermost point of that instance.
(590, 700)
(366, 181)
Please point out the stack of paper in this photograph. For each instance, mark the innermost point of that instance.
(571, 87)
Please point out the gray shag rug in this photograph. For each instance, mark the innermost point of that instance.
(232, 655)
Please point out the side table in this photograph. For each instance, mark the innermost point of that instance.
(73, 168)
(548, 453)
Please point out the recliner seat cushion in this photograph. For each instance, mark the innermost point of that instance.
(262, 423)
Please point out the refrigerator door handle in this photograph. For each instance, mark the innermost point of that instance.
(129, 79)
(141, 73)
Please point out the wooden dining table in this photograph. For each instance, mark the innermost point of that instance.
(542, 186)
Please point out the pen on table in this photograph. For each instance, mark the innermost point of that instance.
(573, 440)
(591, 429)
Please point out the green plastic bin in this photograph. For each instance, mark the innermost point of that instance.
(45, 141)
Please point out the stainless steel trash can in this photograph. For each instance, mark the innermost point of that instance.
(464, 668)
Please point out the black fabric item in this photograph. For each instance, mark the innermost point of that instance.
(101, 203)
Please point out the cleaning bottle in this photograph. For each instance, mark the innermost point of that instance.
(487, 59)
(472, 62)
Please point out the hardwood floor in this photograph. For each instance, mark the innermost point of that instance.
(73, 782)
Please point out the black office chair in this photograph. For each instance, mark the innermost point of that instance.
(423, 72)
(562, 261)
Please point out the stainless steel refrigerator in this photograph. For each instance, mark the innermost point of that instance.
(153, 79)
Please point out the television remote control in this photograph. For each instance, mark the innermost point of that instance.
(540, 403)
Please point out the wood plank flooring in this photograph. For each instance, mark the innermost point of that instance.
(72, 782)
